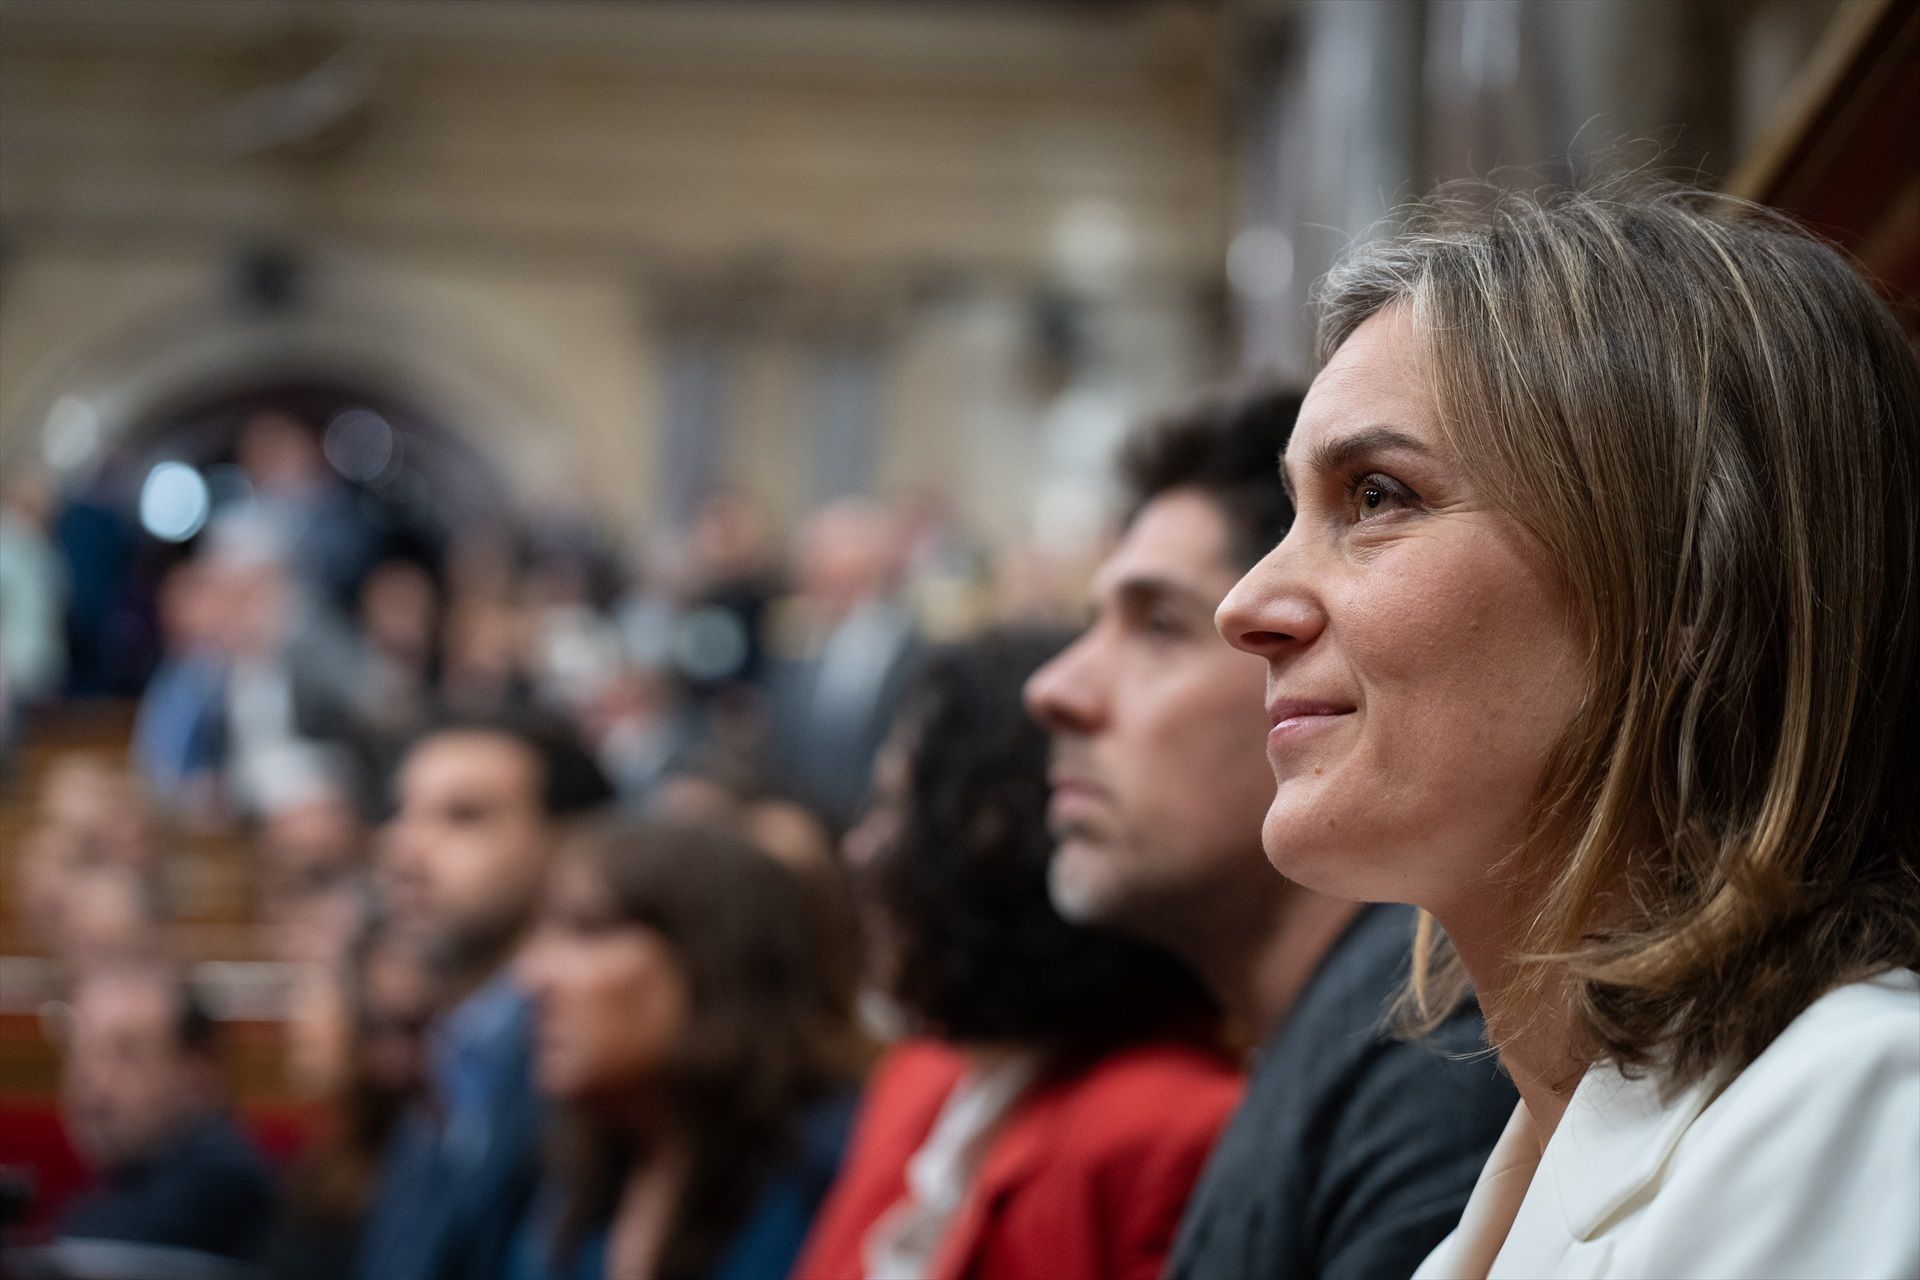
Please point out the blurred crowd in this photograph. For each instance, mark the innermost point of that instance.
(286, 659)
(598, 901)
(286, 648)
(602, 901)
(841, 913)
(389, 735)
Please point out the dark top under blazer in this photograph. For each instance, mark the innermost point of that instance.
(1353, 1153)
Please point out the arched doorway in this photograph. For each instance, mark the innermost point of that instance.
(421, 428)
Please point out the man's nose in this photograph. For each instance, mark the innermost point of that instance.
(1064, 694)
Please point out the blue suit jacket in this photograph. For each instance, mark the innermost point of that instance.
(459, 1174)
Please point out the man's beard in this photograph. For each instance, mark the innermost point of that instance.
(473, 948)
(1070, 895)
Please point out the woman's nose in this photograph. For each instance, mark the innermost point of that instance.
(1270, 610)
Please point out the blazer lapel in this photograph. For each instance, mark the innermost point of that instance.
(1613, 1143)
(1016, 1152)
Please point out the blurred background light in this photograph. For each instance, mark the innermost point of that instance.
(1260, 262)
(360, 444)
(1092, 244)
(72, 433)
(174, 502)
(710, 644)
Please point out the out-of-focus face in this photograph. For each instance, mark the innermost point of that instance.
(255, 607)
(129, 1085)
(1422, 662)
(397, 605)
(101, 810)
(1158, 782)
(848, 551)
(316, 834)
(611, 999)
(105, 913)
(793, 835)
(189, 608)
(466, 854)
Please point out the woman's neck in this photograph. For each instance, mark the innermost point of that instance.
(1536, 1040)
(649, 1203)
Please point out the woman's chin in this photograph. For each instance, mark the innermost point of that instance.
(1287, 836)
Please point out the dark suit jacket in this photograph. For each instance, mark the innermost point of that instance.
(461, 1170)
(209, 1190)
(822, 747)
(1354, 1152)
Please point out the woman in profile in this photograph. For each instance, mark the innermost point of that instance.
(686, 1027)
(1596, 637)
(1063, 1086)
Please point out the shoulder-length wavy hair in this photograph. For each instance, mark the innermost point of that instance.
(1708, 419)
(767, 1035)
(984, 956)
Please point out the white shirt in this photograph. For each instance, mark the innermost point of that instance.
(1807, 1164)
(902, 1243)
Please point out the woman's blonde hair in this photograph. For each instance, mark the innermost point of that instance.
(1708, 419)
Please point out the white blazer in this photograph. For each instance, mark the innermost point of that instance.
(1807, 1164)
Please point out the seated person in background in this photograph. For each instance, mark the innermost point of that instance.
(355, 1040)
(687, 1025)
(1054, 1120)
(146, 1103)
(94, 815)
(482, 804)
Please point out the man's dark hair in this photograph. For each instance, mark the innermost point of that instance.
(1227, 447)
(572, 783)
(983, 955)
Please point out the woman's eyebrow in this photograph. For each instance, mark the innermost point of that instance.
(1341, 452)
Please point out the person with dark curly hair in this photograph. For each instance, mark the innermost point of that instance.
(1065, 1084)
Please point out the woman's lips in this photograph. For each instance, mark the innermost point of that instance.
(1293, 718)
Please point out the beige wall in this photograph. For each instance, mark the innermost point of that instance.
(501, 192)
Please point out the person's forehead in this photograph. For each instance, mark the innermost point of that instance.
(1374, 376)
(477, 756)
(123, 1005)
(1179, 538)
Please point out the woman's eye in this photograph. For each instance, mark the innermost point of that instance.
(1374, 495)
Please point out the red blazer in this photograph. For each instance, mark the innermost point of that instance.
(1085, 1179)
